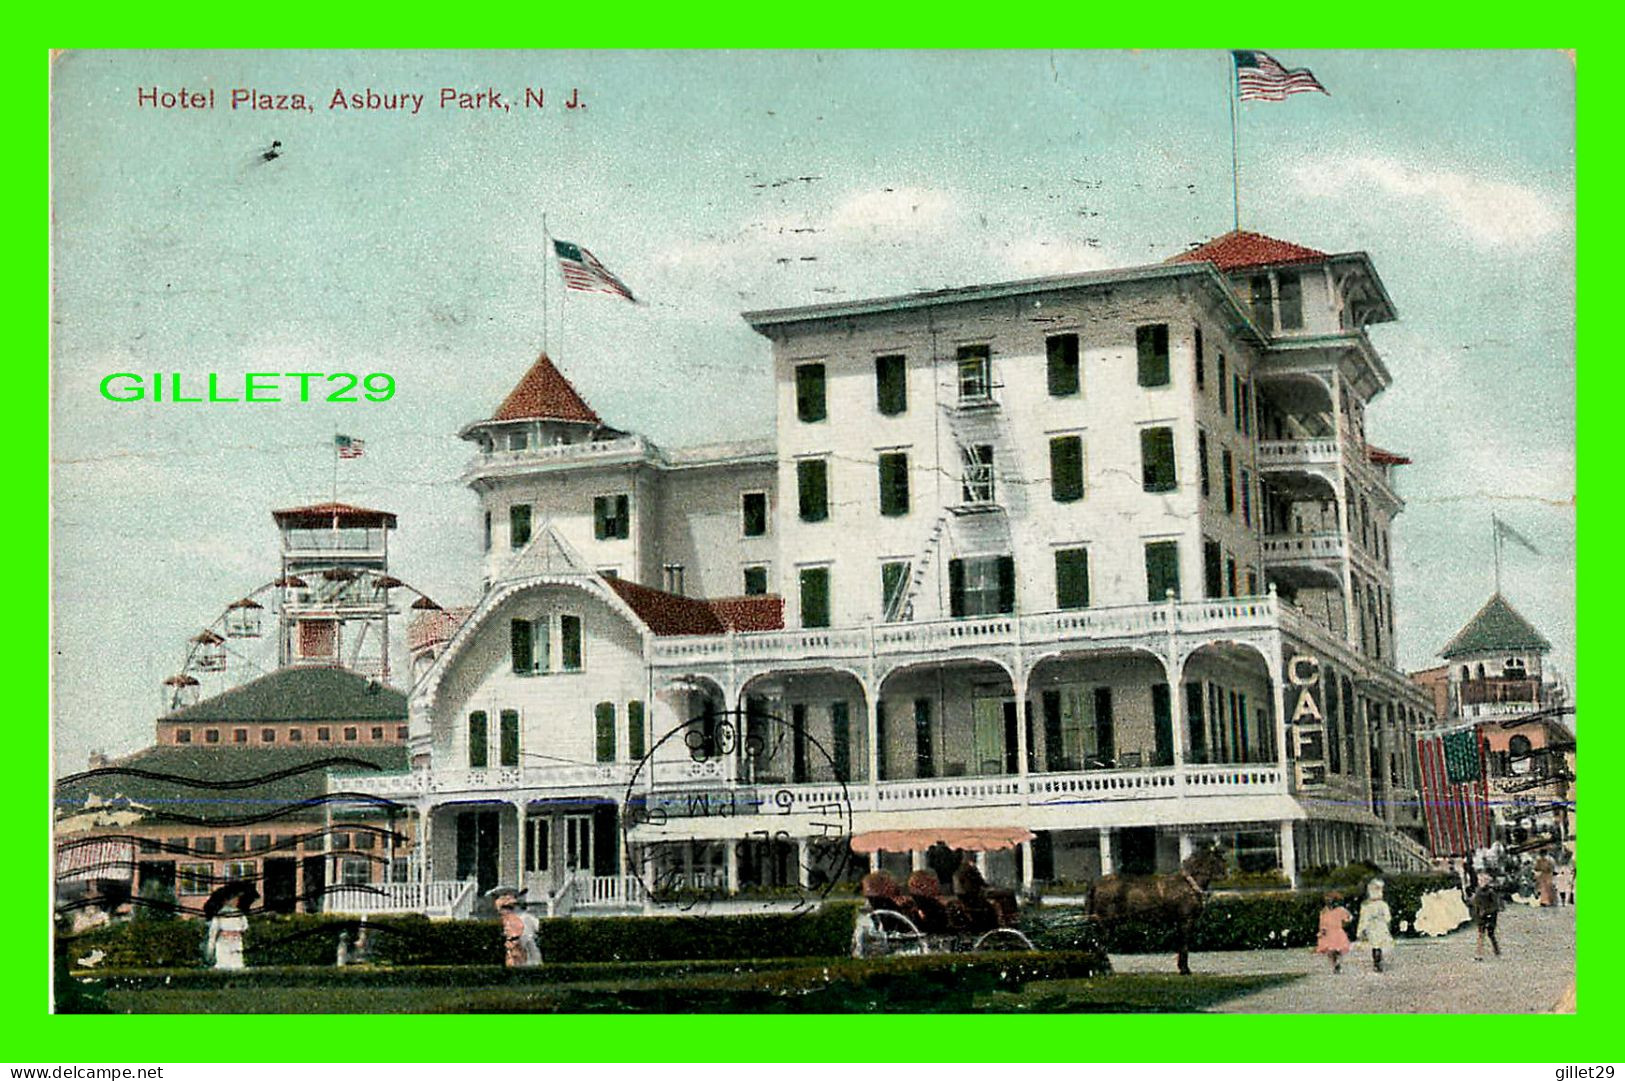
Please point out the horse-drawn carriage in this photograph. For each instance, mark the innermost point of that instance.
(916, 918)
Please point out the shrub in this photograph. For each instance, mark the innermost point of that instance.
(143, 944)
(826, 932)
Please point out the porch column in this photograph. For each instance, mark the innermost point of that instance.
(1027, 865)
(688, 864)
(519, 806)
(1018, 683)
(1107, 866)
(804, 862)
(871, 703)
(1289, 853)
(916, 861)
(423, 842)
(733, 865)
(1187, 846)
(981, 862)
(1176, 713)
(874, 860)
(1278, 706)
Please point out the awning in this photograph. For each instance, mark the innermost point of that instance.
(986, 839)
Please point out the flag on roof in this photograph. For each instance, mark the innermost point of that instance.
(348, 447)
(583, 271)
(1461, 756)
(1506, 532)
(1261, 77)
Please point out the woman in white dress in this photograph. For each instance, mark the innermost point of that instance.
(226, 937)
(1375, 919)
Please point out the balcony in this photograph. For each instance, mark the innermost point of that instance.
(627, 448)
(1485, 692)
(498, 780)
(1295, 547)
(1297, 453)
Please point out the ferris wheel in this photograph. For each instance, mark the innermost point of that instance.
(332, 607)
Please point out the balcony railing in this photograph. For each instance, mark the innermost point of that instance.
(442, 898)
(1133, 621)
(1291, 546)
(1297, 452)
(491, 779)
(1483, 692)
(631, 446)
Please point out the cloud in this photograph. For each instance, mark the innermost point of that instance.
(1491, 213)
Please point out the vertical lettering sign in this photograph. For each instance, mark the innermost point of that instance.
(1306, 720)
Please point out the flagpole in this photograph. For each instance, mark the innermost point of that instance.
(335, 465)
(1235, 151)
(547, 242)
(1495, 528)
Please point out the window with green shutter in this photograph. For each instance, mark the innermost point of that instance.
(1201, 363)
(518, 525)
(1212, 565)
(1161, 569)
(1157, 459)
(840, 738)
(925, 757)
(611, 517)
(570, 643)
(1224, 394)
(810, 405)
(982, 586)
(1072, 578)
(478, 740)
(636, 736)
(815, 596)
(522, 644)
(1062, 350)
(1152, 344)
(509, 737)
(753, 511)
(894, 484)
(891, 385)
(1195, 725)
(1066, 468)
(893, 580)
(755, 581)
(812, 489)
(604, 724)
(1162, 723)
(1229, 482)
(1202, 464)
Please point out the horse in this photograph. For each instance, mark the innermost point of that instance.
(1171, 899)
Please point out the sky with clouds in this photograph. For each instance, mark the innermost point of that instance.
(714, 183)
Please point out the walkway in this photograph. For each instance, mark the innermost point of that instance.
(1427, 975)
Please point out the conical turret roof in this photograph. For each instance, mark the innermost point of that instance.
(544, 394)
(1497, 628)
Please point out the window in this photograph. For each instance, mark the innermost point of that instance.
(1162, 723)
(810, 405)
(1202, 463)
(1066, 468)
(355, 872)
(1224, 399)
(1157, 459)
(1063, 364)
(1152, 344)
(753, 511)
(893, 584)
(570, 643)
(487, 531)
(815, 596)
(366, 841)
(478, 737)
(1195, 724)
(1229, 483)
(203, 845)
(1201, 365)
(239, 735)
(1246, 498)
(296, 735)
(235, 842)
(1289, 298)
(840, 738)
(1230, 577)
(508, 736)
(604, 731)
(977, 480)
(183, 735)
(798, 743)
(755, 581)
(1072, 578)
(894, 484)
(1212, 569)
(925, 758)
(267, 735)
(1161, 570)
(611, 517)
(1244, 398)
(975, 373)
(324, 735)
(193, 878)
(1262, 301)
(812, 489)
(314, 842)
(981, 586)
(536, 844)
(211, 735)
(529, 646)
(242, 870)
(518, 525)
(351, 735)
(635, 732)
(378, 732)
(672, 576)
(891, 385)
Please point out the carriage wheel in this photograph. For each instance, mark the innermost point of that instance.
(1025, 942)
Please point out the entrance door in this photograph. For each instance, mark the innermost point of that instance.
(1138, 850)
(315, 882)
(478, 839)
(987, 737)
(157, 881)
(578, 846)
(281, 875)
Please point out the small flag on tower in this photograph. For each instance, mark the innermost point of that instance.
(1504, 531)
(583, 271)
(348, 447)
(1260, 77)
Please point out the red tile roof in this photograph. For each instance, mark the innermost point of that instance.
(430, 628)
(670, 614)
(1239, 248)
(1385, 457)
(322, 514)
(544, 394)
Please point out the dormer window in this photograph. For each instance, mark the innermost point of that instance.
(518, 439)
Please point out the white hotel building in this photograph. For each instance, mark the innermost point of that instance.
(1102, 556)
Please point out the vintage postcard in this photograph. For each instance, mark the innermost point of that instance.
(851, 531)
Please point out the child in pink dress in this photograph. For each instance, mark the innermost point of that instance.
(1331, 938)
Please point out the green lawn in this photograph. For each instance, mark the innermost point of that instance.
(892, 989)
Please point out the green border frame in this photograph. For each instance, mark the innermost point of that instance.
(34, 1036)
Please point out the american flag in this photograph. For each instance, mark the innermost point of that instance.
(583, 271)
(348, 447)
(1260, 77)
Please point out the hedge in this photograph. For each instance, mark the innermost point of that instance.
(312, 940)
(1253, 921)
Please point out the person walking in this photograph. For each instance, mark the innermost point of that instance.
(1331, 938)
(1375, 926)
(1544, 867)
(1486, 907)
